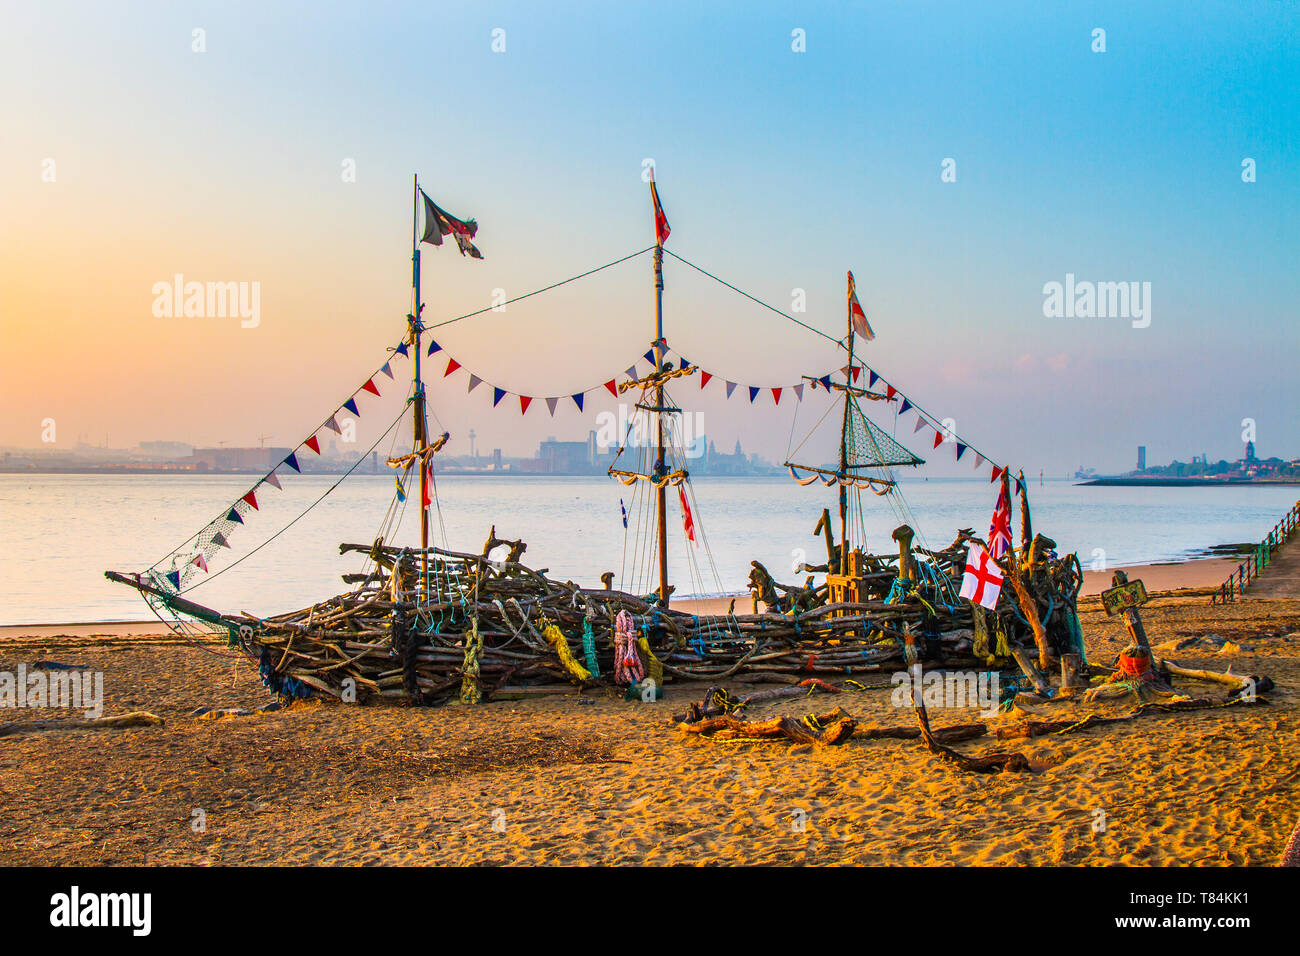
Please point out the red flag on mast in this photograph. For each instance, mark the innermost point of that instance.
(661, 221)
(860, 323)
(688, 519)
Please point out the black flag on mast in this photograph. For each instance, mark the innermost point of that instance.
(438, 223)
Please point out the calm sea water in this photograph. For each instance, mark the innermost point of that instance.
(58, 533)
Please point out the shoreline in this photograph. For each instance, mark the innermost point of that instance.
(1207, 572)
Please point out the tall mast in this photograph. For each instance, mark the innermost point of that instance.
(844, 450)
(659, 415)
(419, 438)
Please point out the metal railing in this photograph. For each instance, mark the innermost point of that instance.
(1250, 569)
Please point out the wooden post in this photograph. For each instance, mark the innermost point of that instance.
(1132, 619)
(660, 493)
(1035, 676)
(420, 439)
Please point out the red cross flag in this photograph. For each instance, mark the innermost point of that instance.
(982, 582)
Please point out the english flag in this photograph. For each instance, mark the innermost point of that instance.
(1000, 528)
(860, 323)
(982, 582)
(661, 221)
(688, 519)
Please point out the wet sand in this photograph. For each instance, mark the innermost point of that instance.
(588, 778)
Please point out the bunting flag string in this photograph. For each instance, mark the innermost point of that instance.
(216, 534)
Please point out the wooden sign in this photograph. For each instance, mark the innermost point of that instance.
(1125, 596)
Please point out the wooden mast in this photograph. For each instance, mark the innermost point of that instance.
(844, 450)
(419, 438)
(660, 494)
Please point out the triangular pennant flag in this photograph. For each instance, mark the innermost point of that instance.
(175, 578)
(333, 425)
(960, 448)
(387, 370)
(292, 462)
(550, 405)
(776, 396)
(753, 393)
(577, 400)
(497, 395)
(401, 350)
(1019, 485)
(854, 372)
(731, 387)
(920, 423)
(902, 409)
(474, 382)
(313, 444)
(871, 378)
(251, 499)
(650, 356)
(631, 373)
(433, 347)
(826, 382)
(351, 405)
(452, 365)
(200, 562)
(370, 386)
(273, 480)
(684, 363)
(704, 377)
(979, 460)
(997, 473)
(613, 387)
(798, 391)
(938, 438)
(524, 402)
(234, 516)
(890, 392)
(219, 540)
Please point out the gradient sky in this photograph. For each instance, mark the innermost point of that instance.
(779, 170)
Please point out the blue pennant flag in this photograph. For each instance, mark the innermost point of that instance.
(650, 356)
(577, 400)
(871, 379)
(685, 364)
(234, 516)
(826, 382)
(623, 509)
(497, 395)
(433, 347)
(753, 393)
(292, 462)
(175, 578)
(904, 407)
(351, 405)
(960, 448)
(401, 349)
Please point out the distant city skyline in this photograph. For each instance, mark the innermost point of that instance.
(1069, 251)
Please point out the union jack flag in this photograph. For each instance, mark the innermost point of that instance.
(1000, 529)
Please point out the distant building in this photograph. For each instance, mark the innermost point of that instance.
(239, 459)
(1142, 457)
(166, 449)
(1250, 451)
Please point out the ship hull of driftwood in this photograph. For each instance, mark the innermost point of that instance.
(408, 634)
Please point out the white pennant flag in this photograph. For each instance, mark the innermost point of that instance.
(979, 460)
(333, 425)
(271, 479)
(386, 370)
(920, 423)
(798, 391)
(550, 405)
(474, 382)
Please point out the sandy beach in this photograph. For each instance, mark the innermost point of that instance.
(589, 778)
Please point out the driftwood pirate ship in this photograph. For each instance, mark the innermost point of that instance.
(429, 624)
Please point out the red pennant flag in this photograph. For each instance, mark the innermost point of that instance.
(311, 443)
(854, 372)
(202, 562)
(370, 387)
(938, 439)
(524, 401)
(890, 392)
(452, 365)
(776, 396)
(704, 378)
(613, 387)
(251, 499)
(997, 473)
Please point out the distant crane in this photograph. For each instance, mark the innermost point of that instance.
(261, 440)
